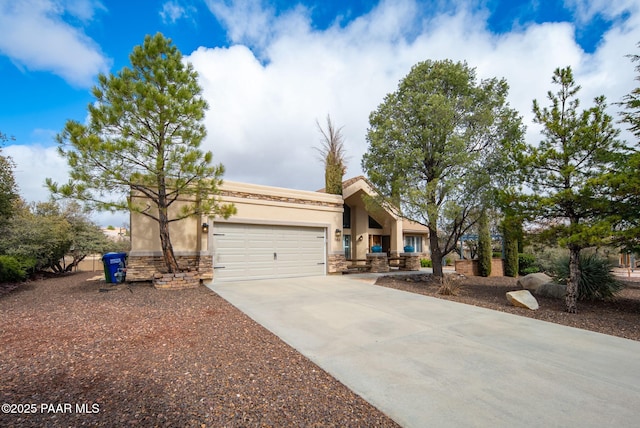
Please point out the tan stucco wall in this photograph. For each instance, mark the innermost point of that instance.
(255, 204)
(145, 234)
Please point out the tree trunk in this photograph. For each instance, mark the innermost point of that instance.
(436, 254)
(165, 240)
(571, 298)
(76, 261)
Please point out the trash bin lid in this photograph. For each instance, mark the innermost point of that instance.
(113, 256)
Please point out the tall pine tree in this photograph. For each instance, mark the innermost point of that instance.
(579, 147)
(143, 136)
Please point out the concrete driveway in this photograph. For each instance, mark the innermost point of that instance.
(428, 362)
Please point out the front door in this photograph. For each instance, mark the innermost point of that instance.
(386, 243)
(346, 242)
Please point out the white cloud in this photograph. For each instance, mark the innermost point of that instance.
(34, 36)
(84, 10)
(49, 164)
(586, 10)
(31, 181)
(172, 11)
(265, 97)
(247, 21)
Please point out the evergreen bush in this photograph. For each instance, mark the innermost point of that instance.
(11, 270)
(426, 263)
(484, 246)
(510, 239)
(527, 264)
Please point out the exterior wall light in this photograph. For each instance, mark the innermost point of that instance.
(205, 227)
(338, 233)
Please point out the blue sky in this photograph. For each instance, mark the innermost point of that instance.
(270, 69)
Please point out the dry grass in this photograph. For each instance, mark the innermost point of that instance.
(450, 285)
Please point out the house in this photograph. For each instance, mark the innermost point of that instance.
(277, 232)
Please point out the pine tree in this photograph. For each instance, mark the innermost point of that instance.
(143, 140)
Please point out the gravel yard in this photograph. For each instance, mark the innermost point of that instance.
(73, 355)
(78, 352)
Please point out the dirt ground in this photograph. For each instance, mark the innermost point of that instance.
(78, 352)
(619, 317)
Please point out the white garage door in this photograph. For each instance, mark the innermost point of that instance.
(245, 251)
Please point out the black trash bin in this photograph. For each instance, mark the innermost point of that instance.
(115, 267)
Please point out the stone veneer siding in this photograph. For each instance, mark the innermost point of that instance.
(176, 281)
(411, 261)
(144, 267)
(337, 263)
(470, 267)
(261, 197)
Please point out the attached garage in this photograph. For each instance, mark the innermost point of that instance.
(275, 233)
(250, 251)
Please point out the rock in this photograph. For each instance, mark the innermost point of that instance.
(552, 289)
(522, 299)
(532, 281)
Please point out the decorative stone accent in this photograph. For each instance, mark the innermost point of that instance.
(262, 197)
(552, 289)
(533, 281)
(337, 263)
(522, 299)
(411, 261)
(176, 281)
(143, 267)
(470, 267)
(378, 261)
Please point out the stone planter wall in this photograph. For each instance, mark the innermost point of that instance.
(470, 267)
(378, 261)
(143, 267)
(176, 281)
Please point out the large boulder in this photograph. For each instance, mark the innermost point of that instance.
(532, 281)
(552, 289)
(522, 299)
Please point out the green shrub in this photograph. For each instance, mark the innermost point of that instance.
(11, 270)
(596, 280)
(527, 264)
(426, 263)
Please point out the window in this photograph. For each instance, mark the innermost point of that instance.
(415, 242)
(346, 217)
(374, 224)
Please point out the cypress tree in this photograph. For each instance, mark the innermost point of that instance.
(510, 233)
(484, 246)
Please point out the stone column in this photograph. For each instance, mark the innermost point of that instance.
(411, 261)
(378, 261)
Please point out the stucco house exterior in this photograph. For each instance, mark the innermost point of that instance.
(277, 232)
